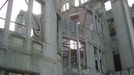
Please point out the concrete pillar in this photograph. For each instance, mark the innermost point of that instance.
(69, 50)
(122, 24)
(29, 24)
(78, 50)
(60, 48)
(7, 23)
(129, 21)
(94, 22)
(109, 64)
(50, 30)
(90, 58)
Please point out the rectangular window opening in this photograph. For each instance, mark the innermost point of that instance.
(75, 18)
(101, 66)
(96, 65)
(77, 3)
(65, 6)
(95, 50)
(108, 5)
(83, 1)
(70, 47)
(37, 29)
(117, 61)
(18, 16)
(3, 10)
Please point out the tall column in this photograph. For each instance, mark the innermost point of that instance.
(129, 21)
(90, 58)
(78, 50)
(7, 23)
(108, 57)
(69, 50)
(29, 24)
(123, 24)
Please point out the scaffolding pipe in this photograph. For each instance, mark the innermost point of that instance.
(69, 50)
(78, 50)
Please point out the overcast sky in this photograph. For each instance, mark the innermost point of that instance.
(18, 5)
(108, 4)
(130, 2)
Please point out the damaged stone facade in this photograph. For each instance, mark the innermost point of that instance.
(66, 37)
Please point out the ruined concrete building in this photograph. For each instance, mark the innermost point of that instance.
(66, 37)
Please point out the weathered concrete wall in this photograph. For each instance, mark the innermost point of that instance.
(107, 56)
(42, 57)
(123, 34)
(81, 12)
(91, 39)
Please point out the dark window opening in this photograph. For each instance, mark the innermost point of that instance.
(96, 65)
(111, 27)
(75, 18)
(117, 62)
(95, 50)
(101, 66)
(133, 19)
(112, 32)
(73, 58)
(99, 50)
